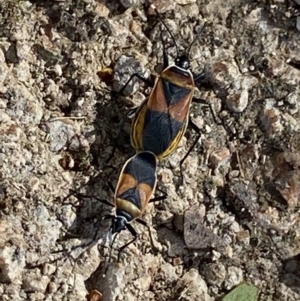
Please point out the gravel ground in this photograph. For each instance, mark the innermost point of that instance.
(232, 216)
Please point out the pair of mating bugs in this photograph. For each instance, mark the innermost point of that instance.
(158, 126)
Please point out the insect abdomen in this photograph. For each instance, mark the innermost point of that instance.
(159, 131)
(136, 184)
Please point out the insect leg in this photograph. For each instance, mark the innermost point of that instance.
(165, 58)
(217, 122)
(132, 112)
(204, 102)
(134, 234)
(111, 187)
(86, 244)
(148, 82)
(165, 54)
(142, 222)
(198, 78)
(103, 201)
(198, 132)
(81, 196)
(225, 125)
(159, 198)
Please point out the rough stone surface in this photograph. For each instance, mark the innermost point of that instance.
(232, 209)
(185, 2)
(131, 3)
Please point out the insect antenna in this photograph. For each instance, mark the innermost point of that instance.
(169, 31)
(196, 37)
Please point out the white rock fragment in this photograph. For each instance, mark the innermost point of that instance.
(89, 260)
(57, 70)
(162, 6)
(168, 272)
(222, 72)
(298, 23)
(194, 286)
(67, 216)
(238, 101)
(143, 283)
(35, 282)
(22, 72)
(215, 273)
(23, 50)
(124, 68)
(64, 288)
(136, 30)
(102, 10)
(293, 99)
(185, 2)
(219, 157)
(59, 133)
(271, 119)
(237, 98)
(235, 227)
(27, 109)
(234, 277)
(12, 263)
(255, 16)
(131, 3)
(3, 67)
(49, 269)
(79, 286)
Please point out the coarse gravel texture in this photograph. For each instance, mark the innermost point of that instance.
(232, 215)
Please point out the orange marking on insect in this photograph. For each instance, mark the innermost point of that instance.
(126, 182)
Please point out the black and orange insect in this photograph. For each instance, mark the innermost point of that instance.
(135, 187)
(161, 120)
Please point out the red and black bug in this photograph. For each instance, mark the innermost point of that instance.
(161, 120)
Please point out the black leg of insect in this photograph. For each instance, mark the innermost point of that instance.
(196, 128)
(198, 133)
(198, 78)
(147, 81)
(90, 242)
(205, 103)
